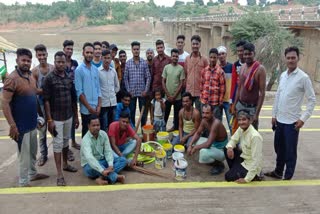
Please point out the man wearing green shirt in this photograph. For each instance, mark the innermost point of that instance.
(245, 158)
(97, 158)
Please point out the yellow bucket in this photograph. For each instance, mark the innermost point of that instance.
(160, 162)
(168, 148)
(179, 148)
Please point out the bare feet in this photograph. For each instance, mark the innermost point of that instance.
(121, 178)
(101, 181)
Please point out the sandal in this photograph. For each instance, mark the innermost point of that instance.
(70, 155)
(42, 161)
(76, 146)
(70, 168)
(61, 182)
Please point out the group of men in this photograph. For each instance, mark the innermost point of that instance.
(108, 88)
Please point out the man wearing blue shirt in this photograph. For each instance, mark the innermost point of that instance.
(123, 106)
(88, 87)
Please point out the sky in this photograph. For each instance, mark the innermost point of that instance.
(157, 2)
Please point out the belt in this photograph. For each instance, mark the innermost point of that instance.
(248, 105)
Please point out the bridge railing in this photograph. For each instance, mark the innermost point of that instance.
(294, 14)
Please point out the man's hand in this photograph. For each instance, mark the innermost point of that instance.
(255, 119)
(194, 149)
(230, 153)
(144, 94)
(92, 111)
(299, 124)
(232, 109)
(189, 150)
(171, 99)
(183, 140)
(98, 110)
(241, 181)
(107, 171)
(76, 122)
(51, 126)
(273, 121)
(133, 162)
(14, 133)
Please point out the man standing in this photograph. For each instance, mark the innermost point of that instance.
(123, 60)
(159, 62)
(227, 68)
(234, 80)
(109, 84)
(213, 85)
(149, 56)
(97, 50)
(252, 85)
(39, 72)
(60, 105)
(287, 118)
(194, 64)
(97, 158)
(115, 62)
(137, 81)
(88, 87)
(19, 104)
(172, 82)
(105, 46)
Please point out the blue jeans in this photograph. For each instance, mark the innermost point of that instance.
(106, 117)
(176, 140)
(226, 107)
(132, 106)
(118, 164)
(159, 125)
(126, 148)
(285, 146)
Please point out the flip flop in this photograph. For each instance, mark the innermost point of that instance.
(70, 155)
(42, 161)
(61, 182)
(70, 168)
(39, 176)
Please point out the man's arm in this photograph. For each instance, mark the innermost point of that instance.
(211, 138)
(116, 83)
(79, 88)
(47, 94)
(108, 153)
(137, 151)
(35, 75)
(88, 155)
(311, 99)
(74, 106)
(126, 77)
(222, 84)
(114, 145)
(262, 91)
(147, 77)
(181, 124)
(178, 89)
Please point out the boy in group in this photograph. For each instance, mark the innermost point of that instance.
(124, 106)
(157, 111)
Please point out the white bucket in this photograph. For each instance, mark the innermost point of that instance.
(181, 169)
(176, 156)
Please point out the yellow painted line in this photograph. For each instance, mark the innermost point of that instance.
(269, 117)
(146, 186)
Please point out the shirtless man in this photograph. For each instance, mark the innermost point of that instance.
(211, 149)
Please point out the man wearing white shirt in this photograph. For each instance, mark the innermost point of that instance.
(109, 84)
(287, 117)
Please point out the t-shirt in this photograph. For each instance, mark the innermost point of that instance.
(227, 74)
(98, 65)
(157, 108)
(173, 76)
(182, 58)
(114, 131)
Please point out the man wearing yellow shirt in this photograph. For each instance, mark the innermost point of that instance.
(245, 158)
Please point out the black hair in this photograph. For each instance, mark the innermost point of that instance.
(158, 90)
(105, 43)
(87, 44)
(244, 112)
(105, 52)
(92, 117)
(97, 43)
(122, 52)
(213, 50)
(126, 94)
(208, 106)
(68, 43)
(292, 49)
(24, 52)
(40, 47)
(187, 94)
(159, 42)
(135, 43)
(59, 53)
(181, 37)
(196, 37)
(241, 43)
(174, 50)
(124, 114)
(249, 47)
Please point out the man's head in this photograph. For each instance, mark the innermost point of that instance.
(160, 47)
(41, 53)
(244, 119)
(135, 48)
(114, 50)
(213, 56)
(222, 54)
(122, 56)
(60, 61)
(180, 42)
(94, 125)
(105, 45)
(186, 100)
(240, 50)
(124, 120)
(106, 58)
(292, 55)
(97, 49)
(24, 58)
(126, 98)
(87, 52)
(68, 48)
(174, 55)
(207, 112)
(195, 43)
(249, 53)
(149, 54)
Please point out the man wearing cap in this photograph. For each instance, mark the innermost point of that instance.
(227, 68)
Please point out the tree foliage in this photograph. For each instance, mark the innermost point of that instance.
(199, 2)
(251, 2)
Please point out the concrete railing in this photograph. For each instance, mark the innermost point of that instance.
(292, 14)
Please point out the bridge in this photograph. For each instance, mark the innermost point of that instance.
(215, 31)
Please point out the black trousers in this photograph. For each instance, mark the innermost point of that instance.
(236, 170)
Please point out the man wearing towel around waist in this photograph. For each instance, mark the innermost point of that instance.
(211, 148)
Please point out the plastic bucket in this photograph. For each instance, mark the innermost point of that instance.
(176, 156)
(168, 148)
(179, 148)
(181, 169)
(163, 137)
(148, 133)
(160, 162)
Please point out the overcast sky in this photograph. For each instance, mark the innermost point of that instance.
(158, 2)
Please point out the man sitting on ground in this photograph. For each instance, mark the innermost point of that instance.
(97, 156)
(245, 159)
(211, 148)
(124, 106)
(123, 139)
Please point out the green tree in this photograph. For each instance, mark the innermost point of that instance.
(221, 1)
(251, 2)
(269, 38)
(178, 3)
(262, 2)
(199, 2)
